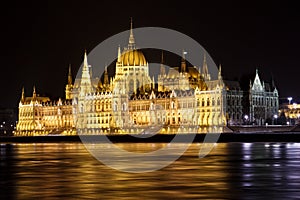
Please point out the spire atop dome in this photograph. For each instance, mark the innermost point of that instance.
(85, 63)
(131, 44)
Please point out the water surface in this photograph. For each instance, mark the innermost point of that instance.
(230, 171)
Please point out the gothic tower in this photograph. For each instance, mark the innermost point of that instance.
(69, 86)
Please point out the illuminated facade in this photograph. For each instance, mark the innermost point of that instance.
(261, 101)
(289, 114)
(132, 101)
(183, 100)
(40, 115)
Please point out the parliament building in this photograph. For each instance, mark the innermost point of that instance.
(184, 99)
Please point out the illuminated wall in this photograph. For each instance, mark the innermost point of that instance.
(182, 97)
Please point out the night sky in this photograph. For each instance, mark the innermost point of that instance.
(40, 39)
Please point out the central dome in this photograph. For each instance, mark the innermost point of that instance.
(133, 57)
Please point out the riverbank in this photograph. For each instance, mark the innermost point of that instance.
(160, 138)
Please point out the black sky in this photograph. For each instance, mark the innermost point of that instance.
(40, 39)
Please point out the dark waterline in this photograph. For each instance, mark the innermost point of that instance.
(162, 138)
(230, 171)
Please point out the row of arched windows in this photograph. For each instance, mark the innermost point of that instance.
(209, 102)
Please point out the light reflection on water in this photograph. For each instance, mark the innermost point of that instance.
(231, 170)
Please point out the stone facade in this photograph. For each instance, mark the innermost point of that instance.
(183, 99)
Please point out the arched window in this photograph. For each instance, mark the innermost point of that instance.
(124, 106)
(81, 108)
(115, 106)
(213, 102)
(172, 104)
(137, 84)
(131, 85)
(271, 102)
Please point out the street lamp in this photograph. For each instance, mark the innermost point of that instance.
(275, 117)
(246, 118)
(290, 99)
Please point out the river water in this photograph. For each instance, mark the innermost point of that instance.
(230, 171)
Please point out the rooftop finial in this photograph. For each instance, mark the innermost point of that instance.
(183, 63)
(119, 54)
(206, 75)
(34, 93)
(220, 72)
(162, 67)
(70, 76)
(23, 95)
(106, 81)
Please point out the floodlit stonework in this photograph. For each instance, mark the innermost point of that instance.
(184, 99)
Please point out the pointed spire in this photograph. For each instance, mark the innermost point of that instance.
(85, 81)
(153, 83)
(272, 82)
(105, 81)
(220, 72)
(34, 93)
(183, 54)
(85, 62)
(205, 69)
(23, 95)
(183, 63)
(162, 67)
(70, 76)
(131, 44)
(119, 54)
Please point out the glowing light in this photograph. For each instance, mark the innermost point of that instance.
(276, 145)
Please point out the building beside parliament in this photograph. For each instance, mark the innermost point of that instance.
(184, 99)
